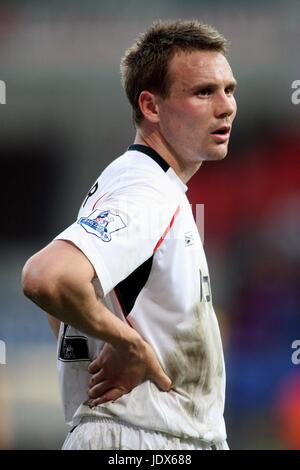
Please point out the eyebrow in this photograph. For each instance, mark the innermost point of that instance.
(233, 84)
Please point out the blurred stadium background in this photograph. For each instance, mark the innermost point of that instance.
(66, 117)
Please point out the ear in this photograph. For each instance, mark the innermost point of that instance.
(148, 106)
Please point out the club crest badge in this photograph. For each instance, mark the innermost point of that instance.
(102, 224)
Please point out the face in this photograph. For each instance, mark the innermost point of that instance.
(195, 119)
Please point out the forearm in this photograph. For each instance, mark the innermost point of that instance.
(59, 279)
(77, 304)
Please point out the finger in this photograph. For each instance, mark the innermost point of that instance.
(111, 395)
(96, 378)
(162, 381)
(98, 390)
(94, 366)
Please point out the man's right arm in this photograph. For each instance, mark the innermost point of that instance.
(59, 280)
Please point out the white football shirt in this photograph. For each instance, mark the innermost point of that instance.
(137, 229)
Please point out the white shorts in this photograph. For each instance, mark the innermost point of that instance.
(93, 433)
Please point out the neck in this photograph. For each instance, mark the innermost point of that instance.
(153, 139)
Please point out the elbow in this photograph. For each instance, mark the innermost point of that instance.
(53, 276)
(35, 282)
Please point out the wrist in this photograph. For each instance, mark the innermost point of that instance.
(132, 343)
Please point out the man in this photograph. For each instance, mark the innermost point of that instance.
(129, 280)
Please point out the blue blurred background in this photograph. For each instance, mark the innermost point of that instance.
(67, 117)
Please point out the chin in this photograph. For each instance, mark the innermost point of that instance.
(219, 154)
(222, 156)
(215, 156)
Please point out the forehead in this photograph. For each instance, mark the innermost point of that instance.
(187, 69)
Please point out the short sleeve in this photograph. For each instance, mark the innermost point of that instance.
(121, 231)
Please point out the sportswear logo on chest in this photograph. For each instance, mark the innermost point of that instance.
(189, 239)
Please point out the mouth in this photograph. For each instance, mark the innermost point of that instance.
(222, 133)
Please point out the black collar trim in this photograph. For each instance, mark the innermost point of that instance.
(152, 154)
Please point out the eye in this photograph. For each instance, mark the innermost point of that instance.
(206, 91)
(230, 90)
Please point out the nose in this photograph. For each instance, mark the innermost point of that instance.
(225, 106)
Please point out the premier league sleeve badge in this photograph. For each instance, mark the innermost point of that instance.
(102, 224)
